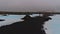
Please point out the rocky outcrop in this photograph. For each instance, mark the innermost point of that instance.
(30, 25)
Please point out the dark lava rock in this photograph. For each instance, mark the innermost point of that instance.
(30, 25)
(2, 19)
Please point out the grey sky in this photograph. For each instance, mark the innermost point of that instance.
(20, 4)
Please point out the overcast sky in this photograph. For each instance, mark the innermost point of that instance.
(19, 4)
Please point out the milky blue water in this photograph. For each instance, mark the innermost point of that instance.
(53, 26)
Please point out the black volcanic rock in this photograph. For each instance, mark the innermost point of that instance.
(31, 25)
(2, 19)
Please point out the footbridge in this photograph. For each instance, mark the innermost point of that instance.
(28, 12)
